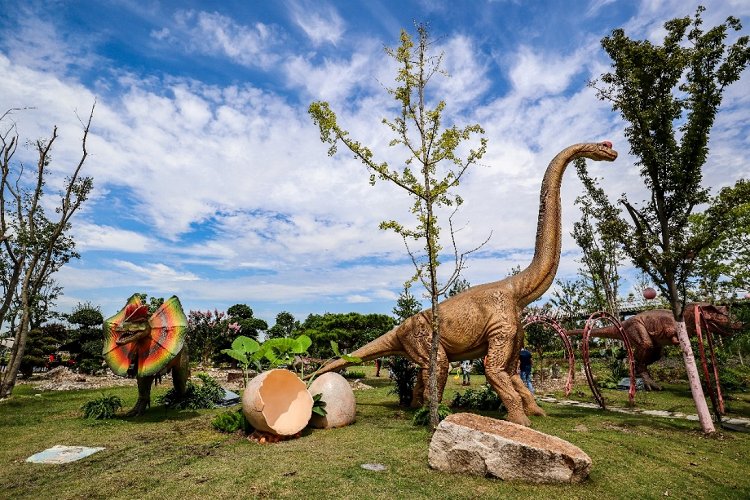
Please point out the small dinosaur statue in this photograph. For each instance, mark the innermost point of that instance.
(148, 347)
(485, 319)
(650, 331)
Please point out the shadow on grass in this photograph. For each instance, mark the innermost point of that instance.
(161, 414)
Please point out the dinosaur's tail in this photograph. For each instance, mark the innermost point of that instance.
(385, 345)
(608, 332)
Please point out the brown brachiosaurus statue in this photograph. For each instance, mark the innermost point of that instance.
(485, 319)
(650, 331)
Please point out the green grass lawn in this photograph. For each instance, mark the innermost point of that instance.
(170, 454)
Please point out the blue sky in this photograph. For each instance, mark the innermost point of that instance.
(211, 181)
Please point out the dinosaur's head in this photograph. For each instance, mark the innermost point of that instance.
(599, 151)
(720, 320)
(135, 325)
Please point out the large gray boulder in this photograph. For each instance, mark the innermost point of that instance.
(473, 444)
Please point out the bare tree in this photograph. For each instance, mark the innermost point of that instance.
(34, 247)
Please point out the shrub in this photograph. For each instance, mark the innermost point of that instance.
(422, 415)
(103, 407)
(353, 374)
(197, 396)
(404, 373)
(232, 421)
(735, 378)
(482, 398)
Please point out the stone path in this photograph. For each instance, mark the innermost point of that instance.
(744, 422)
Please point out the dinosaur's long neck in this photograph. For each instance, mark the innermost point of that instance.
(533, 281)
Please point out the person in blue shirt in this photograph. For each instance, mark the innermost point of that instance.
(525, 368)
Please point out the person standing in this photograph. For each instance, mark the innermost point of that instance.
(525, 368)
(466, 372)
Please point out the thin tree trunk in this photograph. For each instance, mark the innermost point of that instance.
(704, 417)
(22, 335)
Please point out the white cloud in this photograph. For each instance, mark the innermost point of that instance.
(320, 22)
(90, 236)
(536, 74)
(154, 273)
(214, 34)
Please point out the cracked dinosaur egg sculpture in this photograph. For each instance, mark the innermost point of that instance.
(277, 401)
(339, 399)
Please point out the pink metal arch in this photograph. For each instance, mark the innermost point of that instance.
(547, 320)
(587, 363)
(716, 397)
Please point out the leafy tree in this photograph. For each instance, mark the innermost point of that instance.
(657, 88)
(460, 285)
(42, 343)
(406, 305)
(569, 298)
(86, 341)
(249, 326)
(285, 326)
(418, 129)
(724, 266)
(33, 246)
(601, 256)
(208, 332)
(154, 303)
(350, 331)
(402, 370)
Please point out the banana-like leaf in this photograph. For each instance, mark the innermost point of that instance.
(301, 344)
(245, 344)
(236, 354)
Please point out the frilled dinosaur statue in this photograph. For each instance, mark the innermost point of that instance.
(148, 347)
(650, 331)
(485, 319)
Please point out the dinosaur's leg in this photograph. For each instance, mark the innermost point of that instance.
(418, 350)
(530, 407)
(649, 383)
(502, 357)
(181, 373)
(645, 353)
(417, 397)
(422, 387)
(144, 396)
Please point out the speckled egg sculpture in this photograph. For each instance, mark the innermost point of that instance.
(277, 401)
(340, 406)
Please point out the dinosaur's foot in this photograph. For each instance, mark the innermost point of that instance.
(535, 409)
(139, 408)
(649, 384)
(519, 418)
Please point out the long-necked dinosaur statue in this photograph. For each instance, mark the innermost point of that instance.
(485, 319)
(650, 331)
(148, 346)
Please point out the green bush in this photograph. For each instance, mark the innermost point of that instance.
(232, 421)
(483, 398)
(197, 396)
(103, 407)
(735, 378)
(422, 415)
(404, 373)
(353, 374)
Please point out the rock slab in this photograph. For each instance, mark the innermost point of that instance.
(472, 444)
